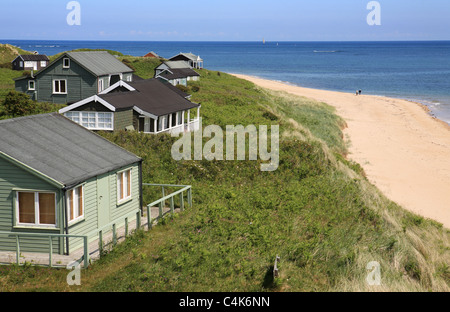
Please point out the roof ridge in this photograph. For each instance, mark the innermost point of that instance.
(26, 117)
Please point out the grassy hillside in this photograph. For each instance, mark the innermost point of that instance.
(9, 52)
(143, 67)
(317, 212)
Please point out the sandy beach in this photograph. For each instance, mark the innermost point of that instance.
(404, 151)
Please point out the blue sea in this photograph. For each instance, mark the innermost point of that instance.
(418, 71)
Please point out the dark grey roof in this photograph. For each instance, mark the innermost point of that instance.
(189, 56)
(178, 73)
(99, 62)
(34, 57)
(152, 96)
(61, 149)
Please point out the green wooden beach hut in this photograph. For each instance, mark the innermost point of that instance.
(74, 76)
(56, 177)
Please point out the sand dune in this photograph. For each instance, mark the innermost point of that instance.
(404, 151)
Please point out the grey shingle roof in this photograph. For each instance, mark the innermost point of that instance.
(100, 62)
(61, 149)
(177, 64)
(179, 73)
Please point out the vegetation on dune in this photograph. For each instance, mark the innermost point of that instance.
(115, 53)
(17, 104)
(317, 211)
(144, 67)
(8, 53)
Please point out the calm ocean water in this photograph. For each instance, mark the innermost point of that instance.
(417, 71)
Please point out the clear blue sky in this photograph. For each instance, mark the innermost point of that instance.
(231, 20)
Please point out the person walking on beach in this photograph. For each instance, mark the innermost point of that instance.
(359, 91)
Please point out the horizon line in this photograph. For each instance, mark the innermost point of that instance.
(266, 41)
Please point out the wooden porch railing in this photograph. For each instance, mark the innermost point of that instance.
(50, 239)
(98, 233)
(160, 203)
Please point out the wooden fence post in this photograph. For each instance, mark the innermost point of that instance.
(100, 242)
(181, 201)
(275, 267)
(189, 194)
(17, 250)
(50, 262)
(86, 251)
(138, 220)
(172, 205)
(149, 217)
(160, 209)
(114, 234)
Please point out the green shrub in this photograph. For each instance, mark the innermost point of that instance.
(183, 88)
(18, 104)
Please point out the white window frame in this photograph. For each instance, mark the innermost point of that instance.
(34, 85)
(59, 82)
(37, 223)
(31, 64)
(43, 63)
(80, 119)
(77, 216)
(64, 62)
(127, 197)
(101, 85)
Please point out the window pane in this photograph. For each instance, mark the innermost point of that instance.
(80, 201)
(128, 174)
(63, 86)
(56, 83)
(71, 203)
(120, 177)
(26, 208)
(47, 212)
